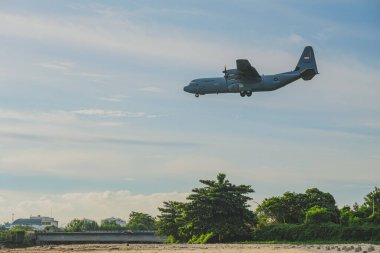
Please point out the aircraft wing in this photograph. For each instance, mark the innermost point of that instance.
(245, 69)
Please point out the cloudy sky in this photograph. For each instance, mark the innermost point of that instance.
(94, 122)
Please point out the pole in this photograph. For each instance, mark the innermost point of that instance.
(373, 205)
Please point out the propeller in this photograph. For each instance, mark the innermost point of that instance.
(225, 73)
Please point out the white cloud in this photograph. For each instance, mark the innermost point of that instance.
(112, 124)
(52, 117)
(56, 65)
(122, 36)
(93, 205)
(114, 98)
(152, 89)
(111, 35)
(109, 113)
(296, 39)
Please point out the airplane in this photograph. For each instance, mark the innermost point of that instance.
(245, 79)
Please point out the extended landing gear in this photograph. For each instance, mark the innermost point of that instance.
(196, 95)
(243, 93)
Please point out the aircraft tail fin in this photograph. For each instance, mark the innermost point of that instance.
(306, 64)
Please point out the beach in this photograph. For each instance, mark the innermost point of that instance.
(207, 248)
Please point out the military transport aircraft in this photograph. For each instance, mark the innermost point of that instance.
(245, 79)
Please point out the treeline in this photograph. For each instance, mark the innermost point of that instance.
(137, 221)
(219, 212)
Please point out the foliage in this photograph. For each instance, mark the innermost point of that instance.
(372, 200)
(345, 214)
(216, 212)
(16, 237)
(292, 207)
(141, 221)
(368, 213)
(318, 215)
(170, 219)
(317, 232)
(51, 229)
(110, 225)
(201, 239)
(81, 225)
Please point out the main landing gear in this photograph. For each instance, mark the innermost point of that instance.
(243, 93)
(196, 95)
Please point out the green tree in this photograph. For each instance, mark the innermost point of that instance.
(292, 207)
(171, 219)
(77, 225)
(272, 210)
(318, 215)
(345, 214)
(216, 212)
(219, 208)
(141, 221)
(315, 197)
(372, 201)
(110, 225)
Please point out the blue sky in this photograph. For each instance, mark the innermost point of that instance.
(94, 121)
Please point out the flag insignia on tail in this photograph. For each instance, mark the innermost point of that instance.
(307, 56)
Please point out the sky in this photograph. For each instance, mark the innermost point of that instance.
(94, 121)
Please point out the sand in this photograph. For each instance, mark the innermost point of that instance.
(207, 248)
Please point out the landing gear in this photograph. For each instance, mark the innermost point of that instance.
(196, 95)
(248, 93)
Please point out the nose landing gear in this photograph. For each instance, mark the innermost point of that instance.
(196, 95)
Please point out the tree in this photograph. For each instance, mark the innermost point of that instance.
(272, 210)
(171, 219)
(318, 215)
(292, 207)
(220, 208)
(217, 211)
(141, 221)
(372, 201)
(77, 225)
(110, 225)
(345, 214)
(315, 197)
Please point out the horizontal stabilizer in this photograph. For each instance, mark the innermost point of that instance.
(308, 74)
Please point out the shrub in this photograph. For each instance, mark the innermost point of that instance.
(317, 232)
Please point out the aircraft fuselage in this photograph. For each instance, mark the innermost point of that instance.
(217, 85)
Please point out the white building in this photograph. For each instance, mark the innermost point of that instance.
(118, 221)
(36, 222)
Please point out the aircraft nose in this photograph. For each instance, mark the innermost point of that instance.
(186, 88)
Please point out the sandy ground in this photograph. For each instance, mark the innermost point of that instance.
(208, 248)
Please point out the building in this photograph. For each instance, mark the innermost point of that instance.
(36, 222)
(6, 225)
(118, 221)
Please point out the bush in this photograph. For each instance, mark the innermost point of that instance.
(314, 232)
(201, 239)
(16, 237)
